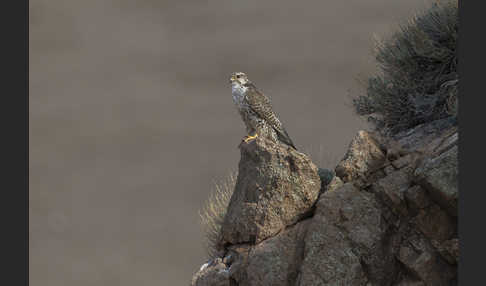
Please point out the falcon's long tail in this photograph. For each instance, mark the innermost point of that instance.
(285, 138)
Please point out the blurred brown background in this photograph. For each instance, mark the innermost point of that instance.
(131, 118)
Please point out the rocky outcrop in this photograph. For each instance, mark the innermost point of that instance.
(276, 187)
(387, 217)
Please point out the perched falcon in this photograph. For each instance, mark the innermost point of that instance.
(256, 111)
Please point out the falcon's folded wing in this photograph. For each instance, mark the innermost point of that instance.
(261, 105)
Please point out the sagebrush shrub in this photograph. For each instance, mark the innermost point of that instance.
(418, 79)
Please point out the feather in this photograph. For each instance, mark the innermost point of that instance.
(260, 104)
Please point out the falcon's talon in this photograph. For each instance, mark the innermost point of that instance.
(250, 138)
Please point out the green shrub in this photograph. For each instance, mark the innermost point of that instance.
(212, 214)
(418, 79)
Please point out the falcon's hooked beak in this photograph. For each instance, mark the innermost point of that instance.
(232, 78)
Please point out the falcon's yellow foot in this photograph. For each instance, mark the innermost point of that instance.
(249, 138)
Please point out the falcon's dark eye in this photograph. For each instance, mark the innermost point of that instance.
(238, 76)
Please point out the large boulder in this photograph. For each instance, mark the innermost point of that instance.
(276, 187)
(347, 241)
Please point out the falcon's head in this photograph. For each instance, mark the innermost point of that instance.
(239, 78)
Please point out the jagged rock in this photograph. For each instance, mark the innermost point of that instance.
(391, 189)
(334, 184)
(419, 258)
(344, 244)
(449, 139)
(276, 187)
(438, 175)
(422, 135)
(276, 261)
(364, 156)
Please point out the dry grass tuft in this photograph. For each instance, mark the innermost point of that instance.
(214, 210)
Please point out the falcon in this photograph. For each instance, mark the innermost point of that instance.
(256, 111)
